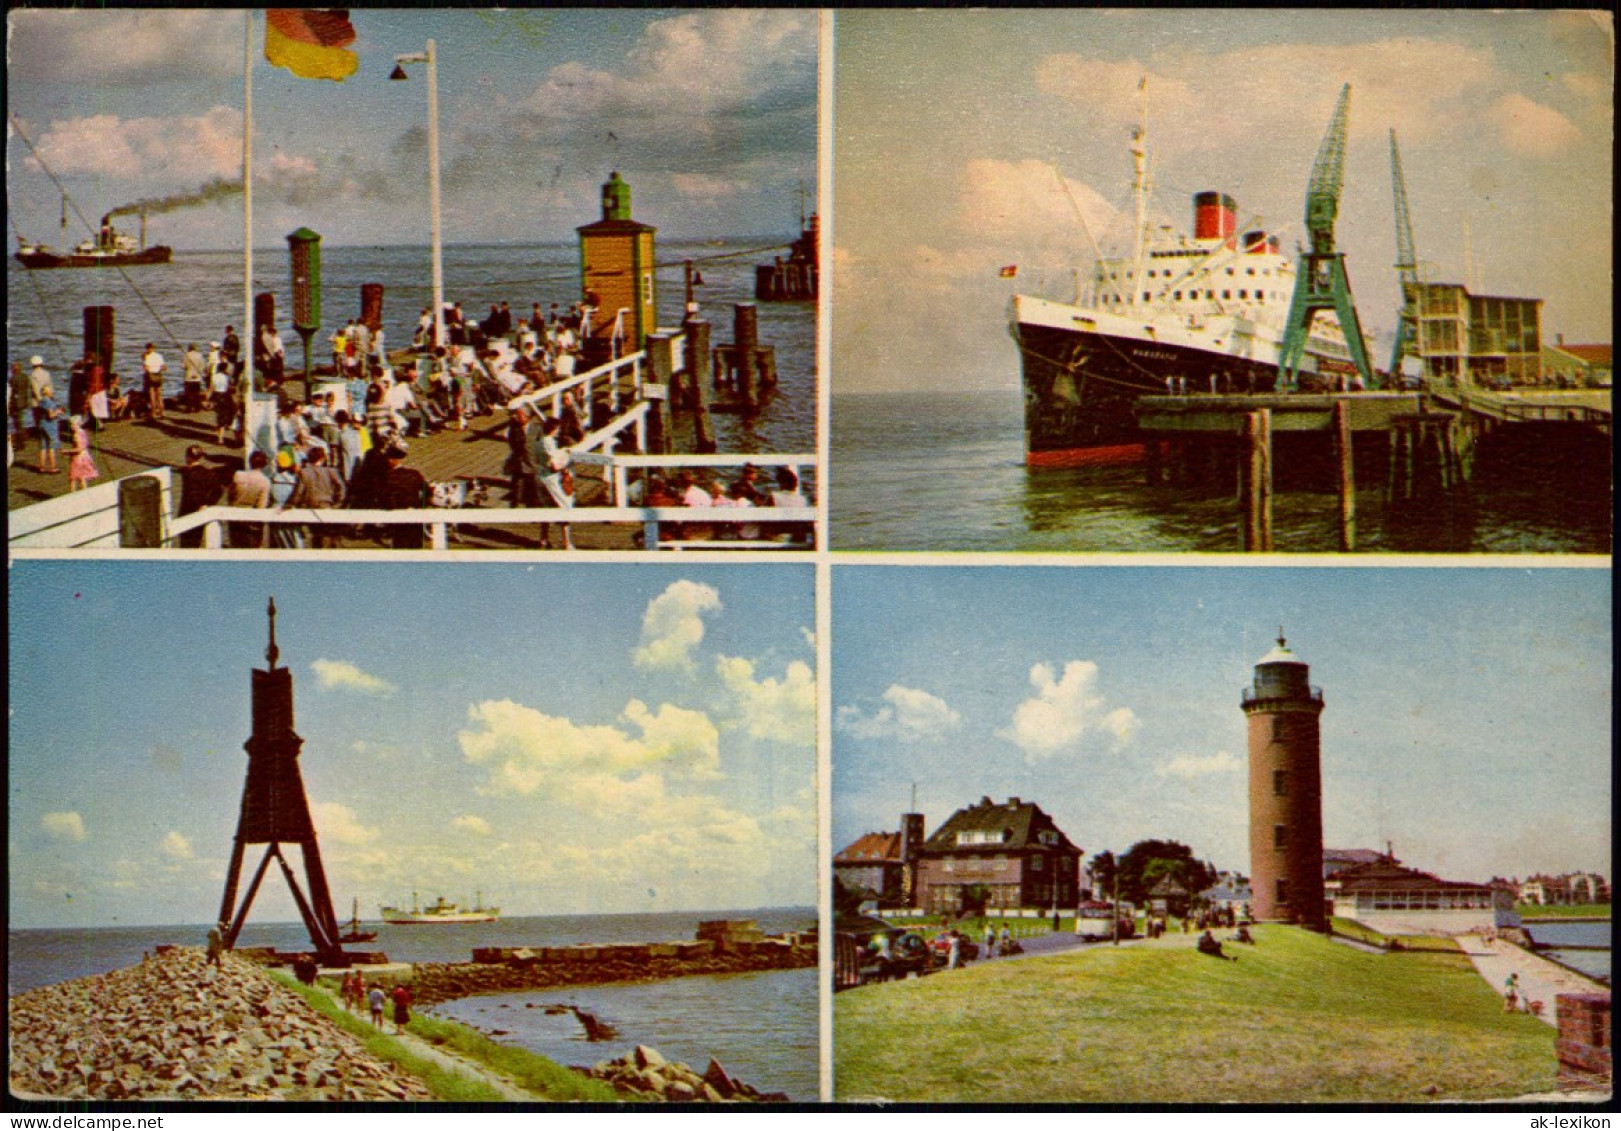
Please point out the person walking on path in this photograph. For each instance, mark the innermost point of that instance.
(376, 998)
(402, 1006)
(1511, 992)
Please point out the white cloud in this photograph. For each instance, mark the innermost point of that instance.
(673, 626)
(909, 715)
(338, 824)
(708, 187)
(63, 826)
(177, 846)
(101, 48)
(1065, 711)
(1529, 127)
(1023, 202)
(467, 823)
(342, 675)
(526, 750)
(188, 148)
(783, 710)
(1191, 766)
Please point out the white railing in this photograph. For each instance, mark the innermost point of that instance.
(584, 382)
(616, 467)
(439, 522)
(79, 520)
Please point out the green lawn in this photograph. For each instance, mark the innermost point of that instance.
(1351, 929)
(1563, 910)
(1297, 1018)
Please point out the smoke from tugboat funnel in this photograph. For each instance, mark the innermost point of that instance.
(217, 189)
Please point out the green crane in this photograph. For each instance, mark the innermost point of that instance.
(1320, 281)
(1406, 267)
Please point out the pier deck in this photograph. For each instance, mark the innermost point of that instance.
(1307, 412)
(128, 447)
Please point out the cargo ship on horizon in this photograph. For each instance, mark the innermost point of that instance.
(108, 248)
(441, 911)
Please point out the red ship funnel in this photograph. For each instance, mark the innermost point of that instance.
(1259, 243)
(1215, 216)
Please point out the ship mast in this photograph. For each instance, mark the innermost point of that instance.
(1139, 190)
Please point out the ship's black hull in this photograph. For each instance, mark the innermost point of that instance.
(1080, 390)
(44, 260)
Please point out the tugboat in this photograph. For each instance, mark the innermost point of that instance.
(440, 911)
(354, 933)
(1174, 314)
(793, 279)
(110, 248)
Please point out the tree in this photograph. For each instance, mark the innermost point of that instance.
(1103, 867)
(1150, 861)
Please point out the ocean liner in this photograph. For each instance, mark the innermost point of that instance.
(1175, 314)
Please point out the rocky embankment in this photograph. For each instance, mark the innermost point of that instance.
(434, 982)
(643, 1074)
(172, 1027)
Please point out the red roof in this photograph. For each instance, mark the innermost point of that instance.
(1385, 876)
(870, 848)
(1592, 355)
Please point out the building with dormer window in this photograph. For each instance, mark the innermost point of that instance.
(1012, 850)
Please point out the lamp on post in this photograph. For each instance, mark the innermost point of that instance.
(398, 75)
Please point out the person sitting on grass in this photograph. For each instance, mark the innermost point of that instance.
(1209, 945)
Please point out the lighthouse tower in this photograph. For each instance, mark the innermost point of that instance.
(1286, 791)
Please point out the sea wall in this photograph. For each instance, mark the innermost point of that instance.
(172, 1027)
(509, 969)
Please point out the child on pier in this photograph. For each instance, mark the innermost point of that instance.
(81, 463)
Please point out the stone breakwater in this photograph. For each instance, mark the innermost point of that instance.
(644, 1074)
(508, 970)
(172, 1027)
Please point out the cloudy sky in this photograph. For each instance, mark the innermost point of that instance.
(1476, 737)
(948, 126)
(710, 115)
(568, 739)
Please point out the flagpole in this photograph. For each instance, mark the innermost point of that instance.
(433, 191)
(246, 336)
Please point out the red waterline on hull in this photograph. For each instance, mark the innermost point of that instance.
(1111, 456)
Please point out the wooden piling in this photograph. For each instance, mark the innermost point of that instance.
(1347, 475)
(661, 369)
(698, 377)
(99, 334)
(1257, 482)
(371, 306)
(745, 342)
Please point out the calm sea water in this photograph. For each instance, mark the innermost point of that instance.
(945, 471)
(762, 1027)
(196, 296)
(1582, 933)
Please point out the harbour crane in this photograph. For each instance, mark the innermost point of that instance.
(1406, 267)
(1321, 282)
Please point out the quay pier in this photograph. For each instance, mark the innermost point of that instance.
(1426, 441)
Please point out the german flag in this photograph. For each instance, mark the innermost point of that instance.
(311, 42)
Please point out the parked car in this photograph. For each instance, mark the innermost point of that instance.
(909, 953)
(967, 949)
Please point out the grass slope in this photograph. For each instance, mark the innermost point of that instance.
(1298, 1018)
(546, 1079)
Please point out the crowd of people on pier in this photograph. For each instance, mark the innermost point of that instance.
(346, 443)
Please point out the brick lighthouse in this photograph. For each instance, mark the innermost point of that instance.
(1286, 791)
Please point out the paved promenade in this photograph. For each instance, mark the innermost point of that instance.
(1540, 979)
